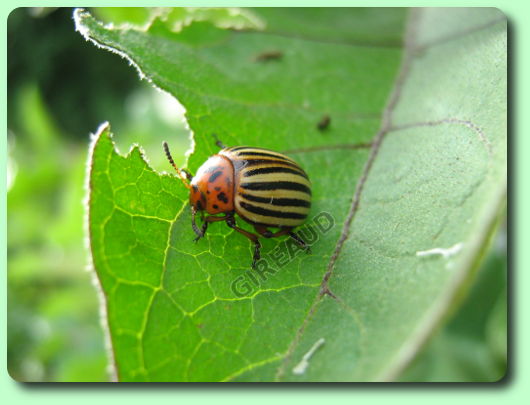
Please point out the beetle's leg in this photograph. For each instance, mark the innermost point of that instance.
(197, 231)
(263, 231)
(299, 240)
(209, 219)
(206, 220)
(218, 142)
(231, 222)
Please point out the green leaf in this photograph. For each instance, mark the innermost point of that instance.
(177, 17)
(472, 346)
(408, 181)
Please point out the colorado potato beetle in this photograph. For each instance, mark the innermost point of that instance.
(264, 188)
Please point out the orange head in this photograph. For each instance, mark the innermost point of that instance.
(212, 188)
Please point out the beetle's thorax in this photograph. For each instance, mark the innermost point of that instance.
(212, 188)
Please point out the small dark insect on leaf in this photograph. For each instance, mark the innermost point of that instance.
(268, 56)
(324, 122)
(218, 142)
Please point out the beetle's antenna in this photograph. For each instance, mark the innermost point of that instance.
(184, 175)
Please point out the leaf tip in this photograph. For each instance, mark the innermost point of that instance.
(103, 127)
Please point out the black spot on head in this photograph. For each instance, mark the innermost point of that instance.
(217, 188)
(215, 206)
(207, 191)
(214, 176)
(222, 197)
(214, 169)
(195, 188)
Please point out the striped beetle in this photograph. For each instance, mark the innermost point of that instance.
(265, 188)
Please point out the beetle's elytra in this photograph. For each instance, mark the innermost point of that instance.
(263, 187)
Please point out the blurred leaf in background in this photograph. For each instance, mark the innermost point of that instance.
(60, 89)
(52, 307)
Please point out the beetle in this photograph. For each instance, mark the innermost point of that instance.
(264, 188)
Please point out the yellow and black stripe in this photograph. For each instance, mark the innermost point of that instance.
(271, 189)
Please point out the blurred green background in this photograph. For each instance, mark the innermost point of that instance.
(60, 88)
